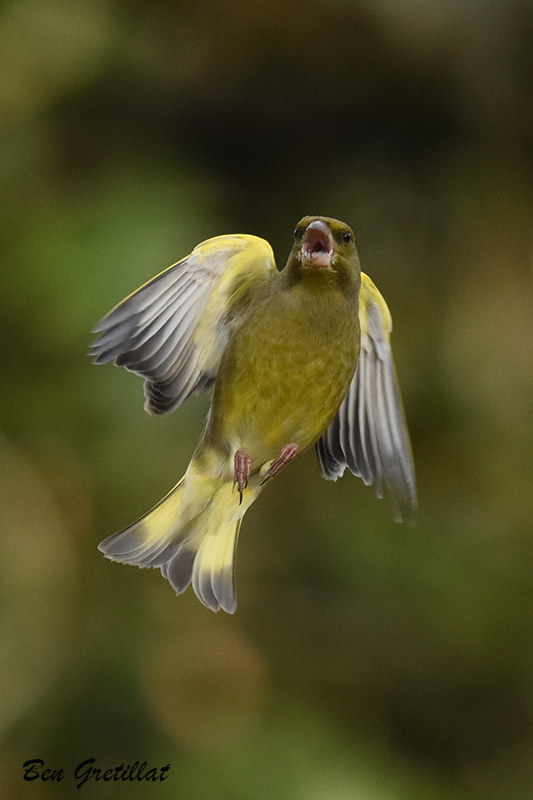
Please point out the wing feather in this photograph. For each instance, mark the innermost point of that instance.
(173, 330)
(369, 433)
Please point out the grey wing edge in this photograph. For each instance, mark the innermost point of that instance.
(369, 435)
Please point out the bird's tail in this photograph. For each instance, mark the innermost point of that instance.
(191, 535)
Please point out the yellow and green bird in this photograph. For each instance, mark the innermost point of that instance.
(296, 357)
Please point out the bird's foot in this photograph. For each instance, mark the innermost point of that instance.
(243, 467)
(287, 453)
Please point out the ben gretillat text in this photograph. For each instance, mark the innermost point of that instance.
(86, 771)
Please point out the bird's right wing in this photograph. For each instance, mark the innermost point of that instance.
(173, 330)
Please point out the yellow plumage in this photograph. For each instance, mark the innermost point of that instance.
(282, 350)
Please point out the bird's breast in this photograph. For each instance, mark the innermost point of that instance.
(284, 373)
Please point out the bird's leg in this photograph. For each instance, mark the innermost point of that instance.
(243, 467)
(287, 453)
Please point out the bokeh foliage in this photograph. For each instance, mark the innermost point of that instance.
(366, 660)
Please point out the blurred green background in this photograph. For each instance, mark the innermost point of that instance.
(367, 660)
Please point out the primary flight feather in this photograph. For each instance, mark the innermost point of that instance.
(296, 357)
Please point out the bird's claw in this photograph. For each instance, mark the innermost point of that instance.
(243, 467)
(287, 453)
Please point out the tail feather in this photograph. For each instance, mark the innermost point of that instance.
(223, 579)
(213, 569)
(150, 541)
(191, 540)
(178, 569)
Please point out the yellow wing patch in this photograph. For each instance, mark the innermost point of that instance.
(370, 295)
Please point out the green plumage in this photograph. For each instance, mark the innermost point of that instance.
(289, 364)
(282, 349)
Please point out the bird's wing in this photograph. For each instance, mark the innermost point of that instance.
(173, 330)
(369, 433)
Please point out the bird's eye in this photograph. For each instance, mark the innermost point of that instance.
(347, 236)
(297, 233)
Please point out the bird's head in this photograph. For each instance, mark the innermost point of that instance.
(324, 245)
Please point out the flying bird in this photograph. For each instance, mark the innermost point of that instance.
(295, 357)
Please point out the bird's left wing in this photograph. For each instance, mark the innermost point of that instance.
(173, 330)
(369, 433)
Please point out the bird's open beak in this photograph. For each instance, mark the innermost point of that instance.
(317, 245)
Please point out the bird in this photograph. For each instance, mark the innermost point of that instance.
(295, 357)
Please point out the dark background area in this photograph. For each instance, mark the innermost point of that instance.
(367, 660)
